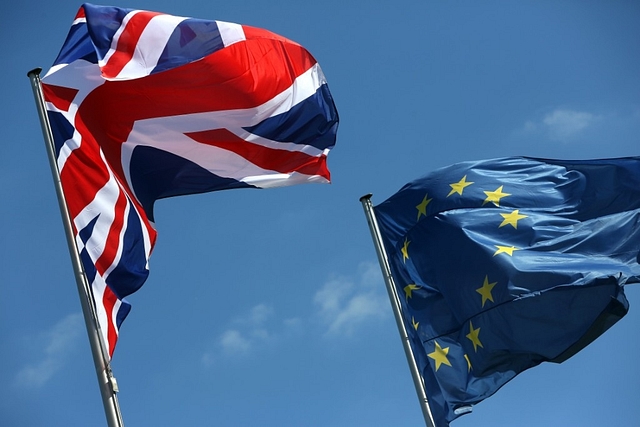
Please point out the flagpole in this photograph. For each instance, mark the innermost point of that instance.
(395, 305)
(106, 380)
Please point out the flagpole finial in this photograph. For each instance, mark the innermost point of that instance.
(366, 197)
(36, 71)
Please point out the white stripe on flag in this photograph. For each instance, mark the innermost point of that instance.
(230, 33)
(168, 134)
(151, 44)
(116, 38)
(97, 289)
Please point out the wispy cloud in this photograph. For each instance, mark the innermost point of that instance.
(54, 345)
(247, 330)
(565, 124)
(342, 304)
(232, 341)
(244, 333)
(345, 303)
(562, 124)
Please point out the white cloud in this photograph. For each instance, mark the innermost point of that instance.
(344, 304)
(246, 332)
(331, 296)
(55, 344)
(565, 124)
(259, 314)
(562, 124)
(233, 342)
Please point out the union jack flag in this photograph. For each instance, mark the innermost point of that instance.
(145, 105)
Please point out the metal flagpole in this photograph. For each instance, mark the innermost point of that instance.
(106, 380)
(395, 304)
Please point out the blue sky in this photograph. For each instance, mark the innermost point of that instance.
(268, 307)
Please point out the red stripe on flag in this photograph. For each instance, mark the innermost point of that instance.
(109, 301)
(83, 175)
(234, 78)
(127, 43)
(60, 97)
(112, 242)
(252, 33)
(80, 13)
(281, 161)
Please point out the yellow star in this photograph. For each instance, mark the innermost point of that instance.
(414, 323)
(405, 250)
(410, 288)
(505, 249)
(495, 196)
(440, 356)
(512, 218)
(468, 363)
(422, 207)
(458, 187)
(473, 335)
(485, 290)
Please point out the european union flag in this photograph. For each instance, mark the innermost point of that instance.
(503, 264)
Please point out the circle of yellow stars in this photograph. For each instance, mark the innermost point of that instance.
(440, 355)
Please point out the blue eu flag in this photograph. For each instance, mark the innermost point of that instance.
(503, 264)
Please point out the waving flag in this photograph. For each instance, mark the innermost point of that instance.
(503, 264)
(145, 105)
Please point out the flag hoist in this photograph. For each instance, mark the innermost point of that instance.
(106, 380)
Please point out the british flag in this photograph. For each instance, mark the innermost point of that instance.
(145, 105)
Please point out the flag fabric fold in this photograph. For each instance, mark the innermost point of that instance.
(503, 264)
(145, 105)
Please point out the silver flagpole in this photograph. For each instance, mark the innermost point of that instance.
(106, 380)
(395, 305)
